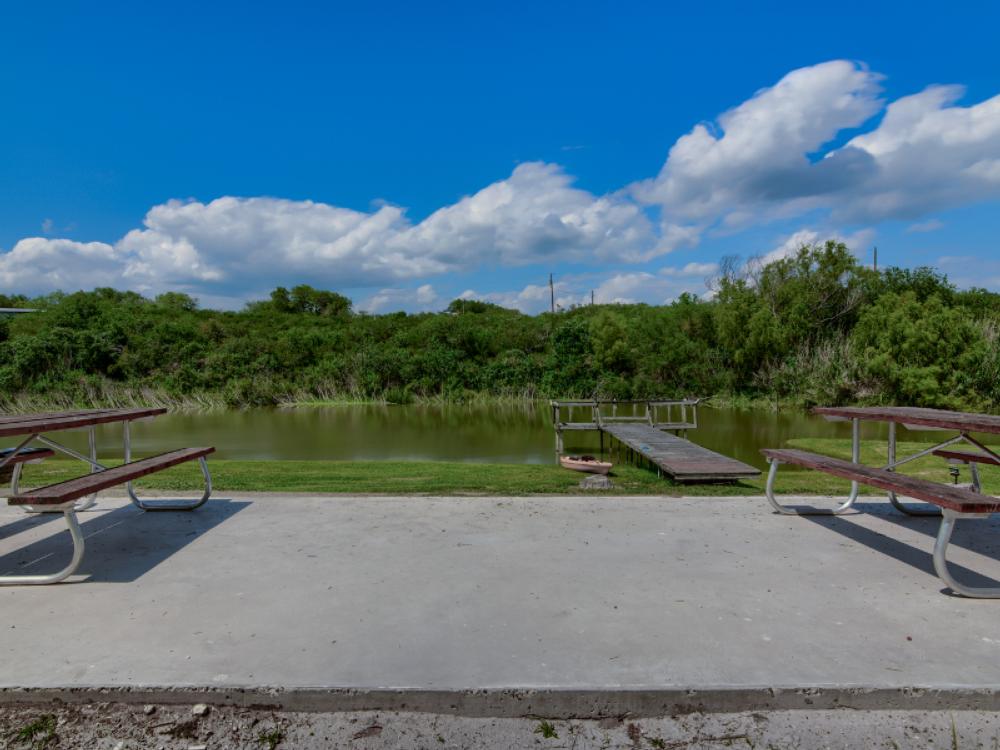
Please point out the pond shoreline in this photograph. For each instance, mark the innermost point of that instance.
(112, 396)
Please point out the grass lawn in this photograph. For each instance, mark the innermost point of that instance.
(450, 478)
(383, 477)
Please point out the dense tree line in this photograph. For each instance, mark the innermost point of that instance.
(814, 327)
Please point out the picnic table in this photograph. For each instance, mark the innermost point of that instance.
(951, 502)
(80, 493)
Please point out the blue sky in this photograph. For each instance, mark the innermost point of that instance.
(409, 153)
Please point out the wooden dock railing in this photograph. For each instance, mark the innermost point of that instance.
(679, 415)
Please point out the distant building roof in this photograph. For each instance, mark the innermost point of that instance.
(13, 310)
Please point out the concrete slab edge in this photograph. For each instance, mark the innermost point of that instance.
(556, 703)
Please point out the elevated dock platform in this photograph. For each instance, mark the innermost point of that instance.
(678, 458)
(639, 427)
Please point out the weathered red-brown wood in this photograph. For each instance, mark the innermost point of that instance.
(966, 456)
(73, 489)
(939, 418)
(25, 454)
(35, 424)
(7, 418)
(944, 495)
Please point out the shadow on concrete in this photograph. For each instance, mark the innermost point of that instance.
(121, 545)
(921, 559)
(29, 521)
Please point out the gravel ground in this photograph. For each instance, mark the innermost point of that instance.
(110, 726)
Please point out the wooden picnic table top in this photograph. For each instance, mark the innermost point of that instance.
(911, 415)
(5, 418)
(31, 424)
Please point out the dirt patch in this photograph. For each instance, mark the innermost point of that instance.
(110, 726)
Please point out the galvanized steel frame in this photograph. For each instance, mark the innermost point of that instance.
(948, 517)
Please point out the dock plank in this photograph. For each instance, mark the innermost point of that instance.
(680, 459)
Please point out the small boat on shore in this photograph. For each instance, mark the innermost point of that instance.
(588, 464)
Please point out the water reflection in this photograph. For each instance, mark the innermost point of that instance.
(497, 433)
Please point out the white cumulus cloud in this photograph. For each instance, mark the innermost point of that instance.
(927, 154)
(775, 156)
(534, 215)
(664, 286)
(39, 264)
(655, 288)
(533, 298)
(756, 158)
(247, 243)
(765, 159)
(421, 299)
(858, 242)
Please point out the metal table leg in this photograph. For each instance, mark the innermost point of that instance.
(78, 547)
(799, 511)
(85, 503)
(154, 505)
(893, 463)
(90, 500)
(949, 517)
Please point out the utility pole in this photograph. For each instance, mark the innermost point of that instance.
(552, 294)
(875, 259)
(591, 297)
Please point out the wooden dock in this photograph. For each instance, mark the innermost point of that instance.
(678, 458)
(644, 435)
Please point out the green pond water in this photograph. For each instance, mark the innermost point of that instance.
(498, 434)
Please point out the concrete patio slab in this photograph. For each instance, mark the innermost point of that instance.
(716, 599)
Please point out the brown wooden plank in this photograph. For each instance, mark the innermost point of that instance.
(31, 426)
(945, 495)
(7, 418)
(25, 454)
(966, 456)
(73, 489)
(949, 420)
(680, 459)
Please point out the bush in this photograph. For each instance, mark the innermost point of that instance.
(920, 352)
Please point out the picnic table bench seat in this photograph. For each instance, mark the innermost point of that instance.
(947, 496)
(972, 459)
(955, 502)
(13, 460)
(966, 457)
(61, 496)
(23, 456)
(73, 489)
